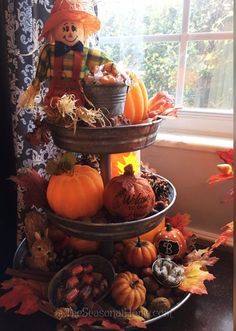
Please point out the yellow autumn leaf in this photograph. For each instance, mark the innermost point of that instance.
(194, 278)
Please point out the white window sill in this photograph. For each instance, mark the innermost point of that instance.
(193, 142)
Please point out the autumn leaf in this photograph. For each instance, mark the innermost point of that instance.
(111, 326)
(34, 185)
(26, 293)
(227, 157)
(64, 164)
(40, 134)
(224, 236)
(202, 256)
(194, 278)
(180, 221)
(219, 178)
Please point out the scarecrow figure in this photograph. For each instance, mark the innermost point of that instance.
(65, 59)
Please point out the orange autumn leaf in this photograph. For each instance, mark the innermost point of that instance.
(194, 278)
(180, 221)
(202, 256)
(222, 239)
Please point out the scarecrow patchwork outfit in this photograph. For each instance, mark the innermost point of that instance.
(65, 71)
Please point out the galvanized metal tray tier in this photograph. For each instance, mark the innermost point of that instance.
(112, 231)
(105, 140)
(18, 263)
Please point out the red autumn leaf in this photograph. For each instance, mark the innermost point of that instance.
(111, 326)
(219, 178)
(180, 221)
(34, 185)
(40, 134)
(26, 293)
(227, 157)
(194, 278)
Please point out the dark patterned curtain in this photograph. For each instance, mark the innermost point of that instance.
(24, 20)
(22, 23)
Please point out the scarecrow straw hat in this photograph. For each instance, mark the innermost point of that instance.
(74, 11)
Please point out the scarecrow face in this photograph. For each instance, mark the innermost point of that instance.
(69, 33)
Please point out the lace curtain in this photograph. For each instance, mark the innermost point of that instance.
(24, 20)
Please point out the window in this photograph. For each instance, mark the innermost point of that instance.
(182, 46)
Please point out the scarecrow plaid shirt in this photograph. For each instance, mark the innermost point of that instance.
(90, 57)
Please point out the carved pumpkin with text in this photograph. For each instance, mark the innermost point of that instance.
(129, 197)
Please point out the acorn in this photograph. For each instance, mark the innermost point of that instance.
(159, 306)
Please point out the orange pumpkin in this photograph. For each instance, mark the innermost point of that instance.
(129, 197)
(150, 235)
(170, 242)
(77, 193)
(128, 290)
(140, 253)
(82, 245)
(136, 104)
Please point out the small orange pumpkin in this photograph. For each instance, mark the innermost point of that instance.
(140, 253)
(170, 242)
(77, 193)
(136, 104)
(128, 290)
(128, 196)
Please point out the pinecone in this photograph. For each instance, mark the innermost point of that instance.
(91, 160)
(160, 188)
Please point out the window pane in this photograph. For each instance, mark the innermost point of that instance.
(209, 75)
(211, 15)
(125, 17)
(160, 66)
(156, 63)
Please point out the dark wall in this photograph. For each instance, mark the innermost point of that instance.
(7, 160)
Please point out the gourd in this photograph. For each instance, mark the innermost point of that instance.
(77, 193)
(170, 242)
(128, 290)
(140, 253)
(136, 104)
(128, 196)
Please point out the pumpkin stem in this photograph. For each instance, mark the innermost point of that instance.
(134, 283)
(139, 243)
(129, 171)
(168, 227)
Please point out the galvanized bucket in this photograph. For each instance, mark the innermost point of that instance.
(109, 98)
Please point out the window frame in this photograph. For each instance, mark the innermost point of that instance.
(194, 121)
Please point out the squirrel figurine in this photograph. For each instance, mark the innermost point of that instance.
(42, 253)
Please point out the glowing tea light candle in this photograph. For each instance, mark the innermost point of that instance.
(121, 160)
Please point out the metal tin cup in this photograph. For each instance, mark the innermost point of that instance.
(109, 98)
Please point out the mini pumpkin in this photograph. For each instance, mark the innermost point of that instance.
(128, 196)
(170, 242)
(128, 290)
(77, 193)
(140, 253)
(136, 104)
